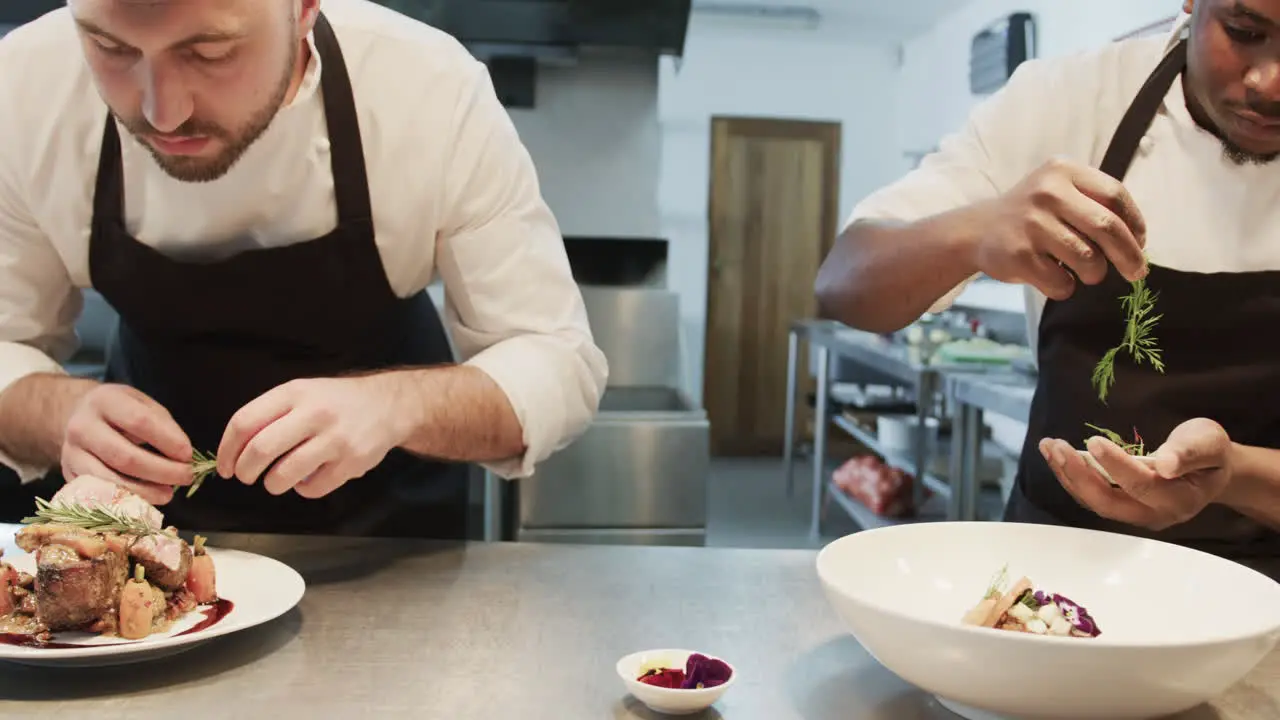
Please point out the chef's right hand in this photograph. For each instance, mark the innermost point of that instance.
(1063, 215)
(105, 437)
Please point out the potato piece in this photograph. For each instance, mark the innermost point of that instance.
(137, 606)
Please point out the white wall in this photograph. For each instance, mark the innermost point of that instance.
(935, 99)
(594, 137)
(823, 75)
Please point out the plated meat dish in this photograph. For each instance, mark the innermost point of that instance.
(105, 564)
(1022, 608)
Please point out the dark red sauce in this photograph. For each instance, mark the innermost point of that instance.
(212, 615)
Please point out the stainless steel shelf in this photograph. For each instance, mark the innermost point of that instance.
(868, 520)
(936, 483)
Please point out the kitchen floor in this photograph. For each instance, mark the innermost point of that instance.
(748, 506)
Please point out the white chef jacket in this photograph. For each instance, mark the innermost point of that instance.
(1203, 212)
(454, 193)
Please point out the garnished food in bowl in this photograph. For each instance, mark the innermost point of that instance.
(104, 564)
(1022, 608)
(699, 672)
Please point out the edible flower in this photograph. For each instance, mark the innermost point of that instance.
(672, 678)
(699, 672)
(1077, 616)
(704, 672)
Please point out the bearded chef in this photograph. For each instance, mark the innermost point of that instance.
(263, 190)
(1061, 182)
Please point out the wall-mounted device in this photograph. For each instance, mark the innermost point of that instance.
(998, 50)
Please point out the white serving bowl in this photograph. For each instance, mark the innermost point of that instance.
(667, 700)
(1179, 627)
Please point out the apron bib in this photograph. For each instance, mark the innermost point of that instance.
(1221, 362)
(204, 339)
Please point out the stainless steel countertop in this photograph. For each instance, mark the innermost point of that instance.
(1008, 394)
(419, 630)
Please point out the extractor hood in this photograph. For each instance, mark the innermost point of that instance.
(542, 27)
(657, 26)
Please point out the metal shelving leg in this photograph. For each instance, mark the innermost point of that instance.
(789, 442)
(956, 466)
(973, 453)
(924, 396)
(820, 423)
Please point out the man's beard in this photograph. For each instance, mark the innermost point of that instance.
(1239, 156)
(198, 169)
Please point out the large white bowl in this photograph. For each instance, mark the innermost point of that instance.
(1179, 627)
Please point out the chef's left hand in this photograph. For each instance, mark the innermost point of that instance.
(319, 433)
(1174, 484)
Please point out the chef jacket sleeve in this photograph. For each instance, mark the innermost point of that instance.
(1037, 114)
(511, 303)
(38, 302)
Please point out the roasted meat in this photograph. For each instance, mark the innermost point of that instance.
(85, 557)
(73, 591)
(90, 491)
(166, 558)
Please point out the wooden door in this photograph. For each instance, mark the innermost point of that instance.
(773, 205)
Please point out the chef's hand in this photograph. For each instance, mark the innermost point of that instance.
(105, 437)
(1171, 486)
(319, 433)
(1063, 215)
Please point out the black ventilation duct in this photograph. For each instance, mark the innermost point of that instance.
(998, 50)
(20, 12)
(656, 25)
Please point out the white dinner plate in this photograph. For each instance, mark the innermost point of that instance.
(252, 589)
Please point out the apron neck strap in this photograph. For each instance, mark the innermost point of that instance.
(1137, 119)
(350, 179)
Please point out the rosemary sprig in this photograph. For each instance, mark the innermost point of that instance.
(1139, 340)
(96, 519)
(202, 466)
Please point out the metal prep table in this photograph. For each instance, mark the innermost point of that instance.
(1008, 394)
(392, 629)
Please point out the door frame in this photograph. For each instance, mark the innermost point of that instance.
(828, 132)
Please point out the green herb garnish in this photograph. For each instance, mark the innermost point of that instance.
(1138, 341)
(96, 519)
(1137, 447)
(202, 466)
(996, 589)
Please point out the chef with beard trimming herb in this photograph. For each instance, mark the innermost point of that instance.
(263, 191)
(1133, 191)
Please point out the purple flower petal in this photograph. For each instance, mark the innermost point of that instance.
(701, 671)
(1077, 615)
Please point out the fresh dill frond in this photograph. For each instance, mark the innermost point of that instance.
(1139, 338)
(1137, 447)
(995, 589)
